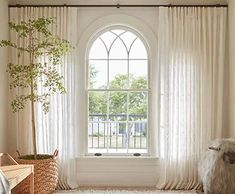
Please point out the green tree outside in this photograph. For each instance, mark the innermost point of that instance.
(118, 100)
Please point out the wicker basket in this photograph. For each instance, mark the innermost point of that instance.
(45, 175)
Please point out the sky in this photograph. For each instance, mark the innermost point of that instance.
(117, 48)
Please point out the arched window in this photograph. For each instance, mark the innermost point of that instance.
(118, 89)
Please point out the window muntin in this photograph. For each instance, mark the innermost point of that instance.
(118, 94)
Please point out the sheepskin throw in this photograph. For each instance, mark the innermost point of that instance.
(217, 168)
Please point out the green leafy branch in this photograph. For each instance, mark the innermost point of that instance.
(39, 44)
(43, 44)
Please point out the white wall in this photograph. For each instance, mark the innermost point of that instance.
(116, 171)
(3, 75)
(231, 69)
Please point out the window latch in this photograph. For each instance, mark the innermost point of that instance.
(137, 154)
(98, 154)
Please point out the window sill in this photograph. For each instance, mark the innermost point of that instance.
(91, 156)
(131, 161)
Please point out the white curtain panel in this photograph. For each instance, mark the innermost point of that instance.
(192, 47)
(59, 128)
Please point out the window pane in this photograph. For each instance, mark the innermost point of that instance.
(108, 38)
(98, 50)
(98, 74)
(97, 117)
(96, 135)
(138, 50)
(118, 50)
(118, 117)
(117, 137)
(128, 38)
(138, 70)
(118, 106)
(138, 137)
(97, 106)
(118, 78)
(138, 106)
(114, 125)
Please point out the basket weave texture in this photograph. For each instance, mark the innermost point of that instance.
(45, 176)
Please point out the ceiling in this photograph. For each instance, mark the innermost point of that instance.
(74, 2)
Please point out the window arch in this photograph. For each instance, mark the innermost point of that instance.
(118, 92)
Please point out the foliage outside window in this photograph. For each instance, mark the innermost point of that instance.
(118, 93)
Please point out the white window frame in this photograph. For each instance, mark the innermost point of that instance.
(82, 47)
(148, 90)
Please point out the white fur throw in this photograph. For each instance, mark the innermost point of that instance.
(217, 168)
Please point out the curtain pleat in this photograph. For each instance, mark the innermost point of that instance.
(191, 59)
(58, 128)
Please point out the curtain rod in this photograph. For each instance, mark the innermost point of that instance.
(118, 5)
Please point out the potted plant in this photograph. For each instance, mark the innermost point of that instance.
(39, 43)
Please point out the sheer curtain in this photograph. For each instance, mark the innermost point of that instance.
(59, 128)
(191, 61)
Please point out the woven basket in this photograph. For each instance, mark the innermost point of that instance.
(45, 175)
